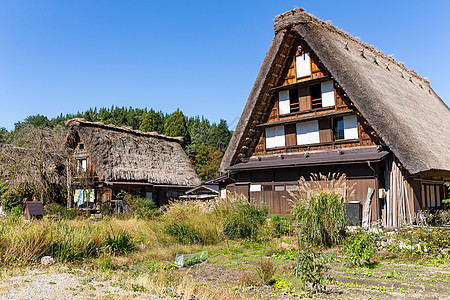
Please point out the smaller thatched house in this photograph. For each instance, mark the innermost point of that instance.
(113, 159)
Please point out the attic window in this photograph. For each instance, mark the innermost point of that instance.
(316, 96)
(81, 146)
(82, 165)
(327, 90)
(303, 65)
(284, 103)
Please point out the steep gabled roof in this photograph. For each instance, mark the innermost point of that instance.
(35, 208)
(122, 154)
(399, 104)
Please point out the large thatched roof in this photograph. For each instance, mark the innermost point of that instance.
(399, 104)
(122, 154)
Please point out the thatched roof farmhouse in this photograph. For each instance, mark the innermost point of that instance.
(143, 163)
(320, 93)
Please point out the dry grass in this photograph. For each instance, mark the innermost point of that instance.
(333, 183)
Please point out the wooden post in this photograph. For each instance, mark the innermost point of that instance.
(367, 205)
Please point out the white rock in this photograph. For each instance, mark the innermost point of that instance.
(47, 261)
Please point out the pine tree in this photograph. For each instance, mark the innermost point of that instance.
(175, 125)
(153, 121)
(207, 162)
(220, 136)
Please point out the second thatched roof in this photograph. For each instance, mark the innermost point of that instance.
(122, 154)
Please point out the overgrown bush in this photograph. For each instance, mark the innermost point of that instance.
(321, 218)
(121, 243)
(144, 208)
(8, 198)
(266, 271)
(191, 224)
(359, 248)
(242, 219)
(185, 233)
(280, 225)
(54, 209)
(310, 269)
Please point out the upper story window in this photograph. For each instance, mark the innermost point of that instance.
(275, 137)
(324, 130)
(284, 102)
(81, 165)
(305, 98)
(303, 65)
(345, 128)
(327, 91)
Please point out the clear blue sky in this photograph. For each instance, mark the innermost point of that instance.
(65, 56)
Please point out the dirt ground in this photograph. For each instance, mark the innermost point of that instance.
(385, 280)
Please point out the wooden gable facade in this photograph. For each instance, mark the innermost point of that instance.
(300, 120)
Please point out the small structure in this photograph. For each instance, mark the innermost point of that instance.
(33, 210)
(205, 191)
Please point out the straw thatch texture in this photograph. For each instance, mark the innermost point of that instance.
(400, 105)
(121, 154)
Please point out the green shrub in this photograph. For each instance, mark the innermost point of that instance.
(310, 269)
(8, 198)
(359, 248)
(190, 223)
(144, 208)
(280, 225)
(55, 209)
(185, 233)
(71, 213)
(121, 243)
(242, 219)
(16, 211)
(321, 218)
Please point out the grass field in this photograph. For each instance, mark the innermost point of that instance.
(137, 256)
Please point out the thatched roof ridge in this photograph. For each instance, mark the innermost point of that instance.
(297, 16)
(78, 121)
(399, 104)
(127, 155)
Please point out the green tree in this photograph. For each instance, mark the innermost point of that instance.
(175, 125)
(220, 136)
(153, 121)
(207, 162)
(200, 133)
(8, 198)
(4, 134)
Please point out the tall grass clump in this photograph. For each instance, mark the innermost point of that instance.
(190, 223)
(241, 218)
(319, 209)
(23, 243)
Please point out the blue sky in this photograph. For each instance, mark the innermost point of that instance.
(64, 56)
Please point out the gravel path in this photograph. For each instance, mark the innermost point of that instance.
(39, 285)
